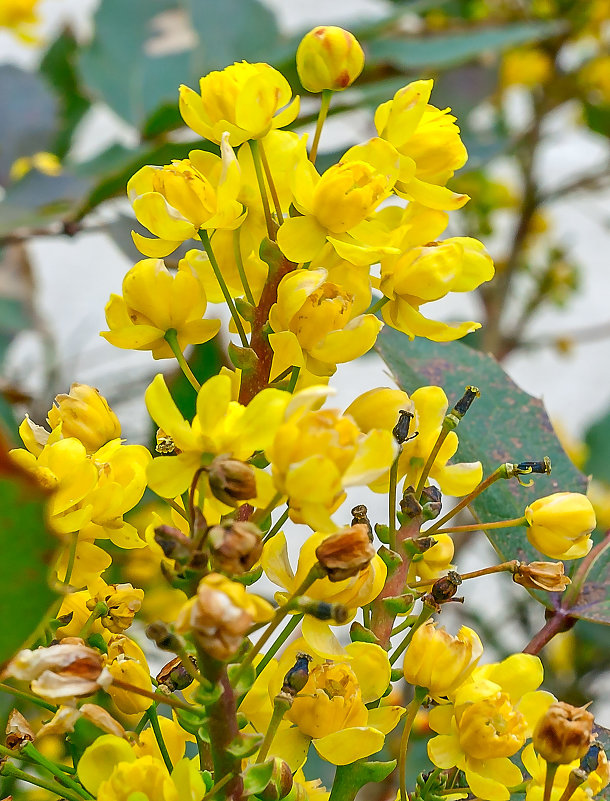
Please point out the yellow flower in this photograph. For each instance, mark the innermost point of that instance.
(47, 163)
(179, 199)
(221, 613)
(595, 77)
(144, 778)
(122, 600)
(351, 592)
(329, 58)
(85, 414)
(427, 270)
(19, 16)
(379, 408)
(536, 767)
(434, 562)
(526, 66)
(563, 733)
(154, 302)
(245, 100)
(174, 737)
(331, 709)
(336, 205)
(221, 426)
(126, 662)
(315, 326)
(560, 525)
(315, 455)
(439, 662)
(429, 144)
(490, 717)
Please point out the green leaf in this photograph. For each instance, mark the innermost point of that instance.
(350, 778)
(27, 548)
(28, 117)
(257, 777)
(58, 66)
(244, 745)
(593, 601)
(597, 440)
(449, 49)
(504, 425)
(246, 678)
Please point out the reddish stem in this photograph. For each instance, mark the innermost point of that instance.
(558, 621)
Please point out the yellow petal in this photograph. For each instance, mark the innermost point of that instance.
(213, 402)
(286, 353)
(170, 476)
(433, 196)
(375, 455)
(164, 412)
(348, 745)
(320, 638)
(154, 248)
(154, 213)
(351, 342)
(458, 479)
(100, 759)
(300, 238)
(372, 668)
(276, 563)
(385, 718)
(444, 751)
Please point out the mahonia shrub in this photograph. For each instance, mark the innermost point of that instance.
(311, 264)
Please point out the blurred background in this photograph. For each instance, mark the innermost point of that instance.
(88, 94)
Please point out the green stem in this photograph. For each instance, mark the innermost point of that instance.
(425, 613)
(99, 610)
(37, 757)
(8, 769)
(377, 305)
(412, 709)
(281, 705)
(392, 502)
(273, 649)
(207, 245)
(141, 723)
(516, 521)
(151, 713)
(11, 754)
(240, 266)
(406, 624)
(276, 526)
(272, 189)
(258, 169)
(217, 787)
(71, 557)
(324, 106)
(261, 514)
(314, 574)
(549, 779)
(171, 337)
(491, 479)
(430, 461)
(293, 379)
(284, 374)
(33, 699)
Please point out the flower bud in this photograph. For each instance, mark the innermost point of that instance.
(220, 614)
(280, 783)
(440, 662)
(174, 675)
(329, 58)
(235, 546)
(86, 415)
(232, 481)
(559, 525)
(346, 553)
(547, 576)
(563, 734)
(18, 731)
(445, 587)
(174, 544)
(360, 515)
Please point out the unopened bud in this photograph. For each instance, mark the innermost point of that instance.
(563, 734)
(174, 675)
(432, 502)
(174, 544)
(445, 587)
(18, 731)
(547, 576)
(164, 637)
(329, 57)
(360, 516)
(346, 553)
(298, 675)
(322, 610)
(280, 783)
(410, 507)
(232, 481)
(235, 546)
(401, 429)
(86, 415)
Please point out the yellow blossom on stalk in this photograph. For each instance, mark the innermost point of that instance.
(595, 77)
(560, 525)
(352, 593)
(329, 57)
(489, 719)
(379, 409)
(331, 709)
(46, 163)
(536, 766)
(122, 600)
(315, 455)
(20, 17)
(432, 563)
(126, 662)
(179, 199)
(526, 66)
(154, 302)
(335, 207)
(220, 426)
(439, 662)
(85, 414)
(245, 100)
(427, 270)
(314, 324)
(146, 778)
(429, 144)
